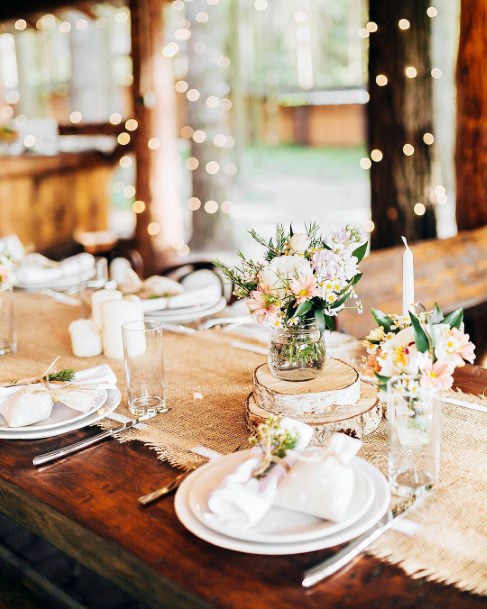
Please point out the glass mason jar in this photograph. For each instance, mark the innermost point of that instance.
(297, 353)
(8, 340)
(414, 435)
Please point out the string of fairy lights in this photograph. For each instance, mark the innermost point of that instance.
(181, 34)
(218, 101)
(438, 195)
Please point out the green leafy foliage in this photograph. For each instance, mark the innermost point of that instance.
(382, 319)
(454, 319)
(422, 340)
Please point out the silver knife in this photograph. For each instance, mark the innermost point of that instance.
(165, 490)
(77, 446)
(331, 565)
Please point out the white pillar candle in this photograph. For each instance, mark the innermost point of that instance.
(407, 279)
(98, 299)
(85, 338)
(115, 313)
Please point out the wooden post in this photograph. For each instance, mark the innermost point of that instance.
(400, 113)
(471, 147)
(155, 112)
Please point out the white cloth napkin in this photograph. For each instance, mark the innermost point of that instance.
(323, 485)
(12, 246)
(36, 269)
(25, 407)
(242, 500)
(200, 288)
(28, 404)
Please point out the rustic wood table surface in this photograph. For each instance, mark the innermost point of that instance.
(86, 505)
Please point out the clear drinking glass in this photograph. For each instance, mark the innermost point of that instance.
(144, 367)
(8, 340)
(414, 435)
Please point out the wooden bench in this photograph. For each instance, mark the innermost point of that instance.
(451, 272)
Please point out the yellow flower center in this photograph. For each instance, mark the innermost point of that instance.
(303, 292)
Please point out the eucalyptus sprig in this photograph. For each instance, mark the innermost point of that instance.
(275, 441)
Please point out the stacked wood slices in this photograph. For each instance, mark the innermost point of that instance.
(334, 401)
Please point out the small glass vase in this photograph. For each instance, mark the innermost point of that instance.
(297, 353)
(8, 340)
(414, 419)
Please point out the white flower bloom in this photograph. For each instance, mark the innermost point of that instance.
(401, 339)
(299, 242)
(281, 270)
(446, 346)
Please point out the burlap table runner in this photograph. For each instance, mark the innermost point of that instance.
(207, 382)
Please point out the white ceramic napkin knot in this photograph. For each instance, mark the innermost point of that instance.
(322, 483)
(26, 406)
(242, 500)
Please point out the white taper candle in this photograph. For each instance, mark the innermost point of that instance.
(407, 279)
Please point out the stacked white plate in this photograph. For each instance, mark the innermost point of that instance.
(63, 419)
(281, 531)
(202, 297)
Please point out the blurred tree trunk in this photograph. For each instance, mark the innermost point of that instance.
(211, 231)
(471, 151)
(155, 112)
(400, 113)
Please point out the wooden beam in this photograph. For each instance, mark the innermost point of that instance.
(471, 146)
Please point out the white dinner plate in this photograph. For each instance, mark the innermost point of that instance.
(379, 506)
(189, 314)
(60, 415)
(113, 400)
(278, 525)
(63, 283)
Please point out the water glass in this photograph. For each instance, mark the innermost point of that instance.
(144, 367)
(8, 340)
(414, 435)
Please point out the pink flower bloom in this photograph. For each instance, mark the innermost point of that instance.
(436, 376)
(463, 347)
(304, 288)
(261, 305)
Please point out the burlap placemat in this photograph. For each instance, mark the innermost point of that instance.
(207, 383)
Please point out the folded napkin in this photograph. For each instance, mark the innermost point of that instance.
(36, 269)
(242, 500)
(12, 246)
(125, 277)
(200, 288)
(28, 404)
(322, 485)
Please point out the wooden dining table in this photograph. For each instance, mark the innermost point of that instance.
(86, 505)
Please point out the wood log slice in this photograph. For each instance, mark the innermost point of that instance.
(337, 384)
(356, 420)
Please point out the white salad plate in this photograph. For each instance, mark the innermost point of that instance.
(188, 314)
(380, 504)
(60, 415)
(63, 283)
(278, 525)
(31, 433)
